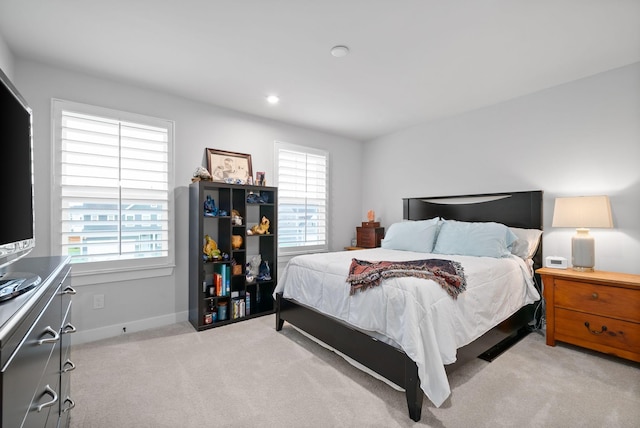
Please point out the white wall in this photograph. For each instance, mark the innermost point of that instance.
(581, 138)
(145, 303)
(6, 59)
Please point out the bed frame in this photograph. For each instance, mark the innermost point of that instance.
(515, 209)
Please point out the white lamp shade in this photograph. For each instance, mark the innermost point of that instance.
(583, 212)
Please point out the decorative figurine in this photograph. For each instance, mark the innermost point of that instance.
(253, 198)
(210, 249)
(236, 219)
(371, 216)
(260, 229)
(264, 273)
(231, 180)
(210, 209)
(253, 268)
(201, 174)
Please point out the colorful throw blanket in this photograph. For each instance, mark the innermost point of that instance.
(449, 274)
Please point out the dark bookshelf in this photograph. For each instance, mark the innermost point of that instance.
(242, 299)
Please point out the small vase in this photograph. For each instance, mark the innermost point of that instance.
(236, 241)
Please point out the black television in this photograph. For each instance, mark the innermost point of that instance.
(17, 237)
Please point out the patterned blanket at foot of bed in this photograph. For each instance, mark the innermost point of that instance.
(449, 274)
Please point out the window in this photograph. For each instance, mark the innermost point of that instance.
(113, 187)
(302, 179)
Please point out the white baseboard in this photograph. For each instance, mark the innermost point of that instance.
(85, 336)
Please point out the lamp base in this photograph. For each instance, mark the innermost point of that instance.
(582, 251)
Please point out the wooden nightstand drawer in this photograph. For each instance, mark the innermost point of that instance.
(622, 303)
(596, 332)
(367, 240)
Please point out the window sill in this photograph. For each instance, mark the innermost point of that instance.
(105, 276)
(300, 252)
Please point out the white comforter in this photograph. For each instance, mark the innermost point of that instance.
(417, 314)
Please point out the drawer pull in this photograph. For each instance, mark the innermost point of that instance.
(72, 404)
(594, 295)
(48, 390)
(68, 366)
(602, 330)
(69, 328)
(69, 290)
(53, 339)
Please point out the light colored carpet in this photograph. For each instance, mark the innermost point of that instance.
(248, 375)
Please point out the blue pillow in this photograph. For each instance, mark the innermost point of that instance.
(474, 239)
(411, 236)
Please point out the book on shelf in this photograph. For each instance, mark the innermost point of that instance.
(222, 279)
(217, 282)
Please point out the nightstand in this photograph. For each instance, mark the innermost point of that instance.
(596, 310)
(369, 235)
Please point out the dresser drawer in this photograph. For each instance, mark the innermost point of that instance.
(36, 356)
(617, 302)
(367, 240)
(44, 409)
(571, 326)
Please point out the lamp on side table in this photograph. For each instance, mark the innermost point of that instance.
(582, 212)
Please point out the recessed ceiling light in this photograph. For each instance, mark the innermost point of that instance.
(339, 51)
(273, 99)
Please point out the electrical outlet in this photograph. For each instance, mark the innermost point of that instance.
(98, 301)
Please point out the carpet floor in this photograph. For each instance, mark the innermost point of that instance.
(249, 375)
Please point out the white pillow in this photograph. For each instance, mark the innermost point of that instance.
(411, 236)
(527, 243)
(474, 239)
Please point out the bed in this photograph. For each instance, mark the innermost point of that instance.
(406, 329)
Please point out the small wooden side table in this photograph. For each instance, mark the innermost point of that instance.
(597, 310)
(369, 235)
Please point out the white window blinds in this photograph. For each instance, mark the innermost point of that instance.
(302, 198)
(113, 179)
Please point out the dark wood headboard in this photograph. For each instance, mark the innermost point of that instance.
(515, 209)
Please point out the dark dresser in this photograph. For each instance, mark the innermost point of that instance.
(35, 358)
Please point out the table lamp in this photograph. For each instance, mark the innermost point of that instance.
(582, 212)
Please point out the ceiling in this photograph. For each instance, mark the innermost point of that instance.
(410, 61)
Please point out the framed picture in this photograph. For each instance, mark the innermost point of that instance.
(260, 180)
(230, 167)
